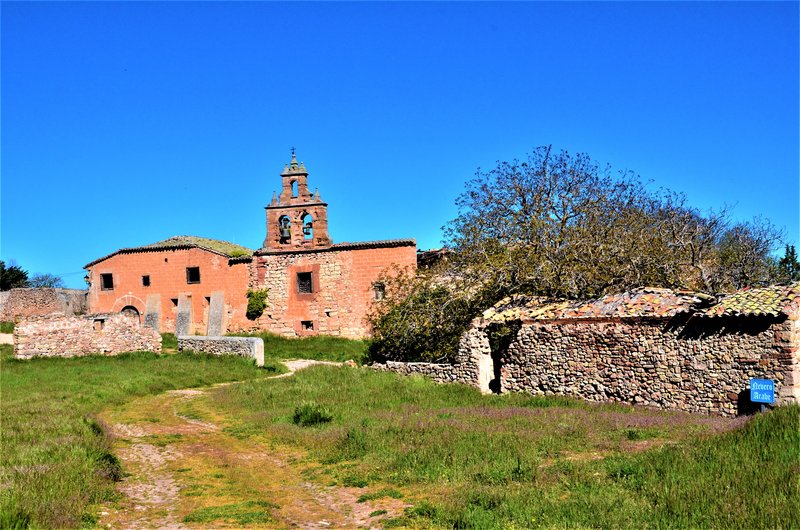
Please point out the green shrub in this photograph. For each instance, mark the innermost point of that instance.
(309, 414)
(6, 327)
(425, 325)
(256, 303)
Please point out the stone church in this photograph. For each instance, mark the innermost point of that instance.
(314, 286)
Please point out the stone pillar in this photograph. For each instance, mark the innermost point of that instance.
(216, 312)
(152, 312)
(183, 320)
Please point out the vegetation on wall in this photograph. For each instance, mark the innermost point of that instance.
(256, 303)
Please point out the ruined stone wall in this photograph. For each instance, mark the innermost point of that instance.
(26, 302)
(472, 367)
(252, 347)
(703, 365)
(73, 336)
(343, 289)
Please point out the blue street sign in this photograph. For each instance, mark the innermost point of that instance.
(762, 391)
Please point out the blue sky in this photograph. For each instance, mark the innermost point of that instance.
(127, 123)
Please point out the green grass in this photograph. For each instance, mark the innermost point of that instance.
(244, 513)
(321, 348)
(56, 461)
(6, 327)
(520, 461)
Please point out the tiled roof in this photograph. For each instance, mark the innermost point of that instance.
(385, 243)
(647, 302)
(223, 248)
(765, 301)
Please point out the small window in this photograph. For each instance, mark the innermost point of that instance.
(305, 283)
(378, 290)
(307, 325)
(107, 282)
(146, 280)
(192, 274)
(97, 325)
(174, 301)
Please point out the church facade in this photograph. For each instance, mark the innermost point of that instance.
(189, 284)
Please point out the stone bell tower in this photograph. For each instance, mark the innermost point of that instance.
(296, 220)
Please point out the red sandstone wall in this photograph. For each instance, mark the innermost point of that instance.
(167, 271)
(343, 289)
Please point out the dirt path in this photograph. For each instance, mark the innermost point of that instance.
(188, 469)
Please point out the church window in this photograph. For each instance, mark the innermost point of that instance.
(378, 291)
(305, 283)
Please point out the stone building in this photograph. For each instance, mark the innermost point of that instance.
(653, 347)
(200, 285)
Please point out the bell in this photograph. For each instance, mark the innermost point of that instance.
(285, 233)
(307, 229)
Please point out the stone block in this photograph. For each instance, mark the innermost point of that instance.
(216, 313)
(152, 312)
(252, 347)
(183, 320)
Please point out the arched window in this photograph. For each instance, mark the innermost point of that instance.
(285, 229)
(308, 227)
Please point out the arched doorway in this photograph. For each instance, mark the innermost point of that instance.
(132, 312)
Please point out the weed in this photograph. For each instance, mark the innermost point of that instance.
(376, 513)
(243, 513)
(381, 494)
(6, 327)
(309, 414)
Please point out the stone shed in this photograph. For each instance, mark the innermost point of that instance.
(654, 347)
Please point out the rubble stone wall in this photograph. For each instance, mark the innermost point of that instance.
(703, 365)
(245, 346)
(26, 302)
(74, 336)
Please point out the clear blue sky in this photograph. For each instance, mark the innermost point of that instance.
(127, 123)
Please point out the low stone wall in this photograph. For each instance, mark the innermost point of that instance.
(245, 346)
(73, 336)
(441, 373)
(20, 303)
(472, 367)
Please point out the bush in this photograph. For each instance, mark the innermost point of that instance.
(421, 318)
(309, 414)
(256, 303)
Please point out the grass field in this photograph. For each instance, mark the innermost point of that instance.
(515, 461)
(319, 348)
(55, 456)
(459, 459)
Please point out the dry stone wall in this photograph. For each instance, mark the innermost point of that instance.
(703, 366)
(245, 346)
(472, 367)
(25, 302)
(74, 336)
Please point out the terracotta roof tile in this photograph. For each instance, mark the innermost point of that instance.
(647, 302)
